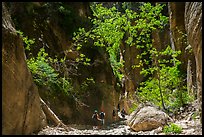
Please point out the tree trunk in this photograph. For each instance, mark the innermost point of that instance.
(161, 92)
(51, 115)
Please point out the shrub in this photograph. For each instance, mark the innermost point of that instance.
(164, 86)
(45, 75)
(172, 128)
(28, 42)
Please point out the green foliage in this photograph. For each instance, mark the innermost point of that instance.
(83, 59)
(27, 41)
(87, 83)
(180, 98)
(111, 27)
(63, 85)
(164, 85)
(133, 107)
(45, 75)
(172, 128)
(64, 10)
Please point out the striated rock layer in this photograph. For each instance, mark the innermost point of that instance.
(193, 26)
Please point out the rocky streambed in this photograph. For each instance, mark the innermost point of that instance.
(190, 127)
(188, 119)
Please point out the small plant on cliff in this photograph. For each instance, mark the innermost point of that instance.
(28, 42)
(45, 75)
(42, 72)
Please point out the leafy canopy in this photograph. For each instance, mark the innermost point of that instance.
(164, 85)
(111, 27)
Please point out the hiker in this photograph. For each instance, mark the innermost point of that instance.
(95, 118)
(123, 85)
(102, 116)
(114, 115)
(123, 113)
(118, 107)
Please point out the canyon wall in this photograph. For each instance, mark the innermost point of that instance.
(186, 28)
(21, 110)
(52, 26)
(193, 26)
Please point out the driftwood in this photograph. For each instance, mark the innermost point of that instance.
(52, 117)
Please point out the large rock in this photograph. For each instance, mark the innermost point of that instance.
(21, 110)
(193, 26)
(147, 118)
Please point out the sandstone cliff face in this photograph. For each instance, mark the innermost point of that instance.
(193, 26)
(187, 18)
(177, 27)
(132, 77)
(21, 110)
(101, 95)
(49, 28)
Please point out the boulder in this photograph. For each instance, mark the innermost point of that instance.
(147, 118)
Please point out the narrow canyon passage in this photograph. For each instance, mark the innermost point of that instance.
(67, 66)
(190, 127)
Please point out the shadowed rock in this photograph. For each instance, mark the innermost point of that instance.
(21, 110)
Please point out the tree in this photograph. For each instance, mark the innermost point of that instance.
(111, 27)
(164, 86)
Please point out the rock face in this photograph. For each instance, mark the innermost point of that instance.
(147, 118)
(177, 28)
(53, 30)
(21, 110)
(193, 26)
(102, 95)
(50, 27)
(161, 38)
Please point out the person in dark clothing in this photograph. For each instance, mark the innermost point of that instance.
(114, 115)
(123, 86)
(102, 117)
(95, 118)
(123, 113)
(118, 107)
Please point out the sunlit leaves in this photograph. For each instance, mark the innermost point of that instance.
(168, 78)
(82, 58)
(28, 42)
(110, 26)
(45, 75)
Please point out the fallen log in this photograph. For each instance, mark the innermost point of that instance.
(52, 117)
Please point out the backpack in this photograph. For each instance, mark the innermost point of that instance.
(102, 115)
(94, 116)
